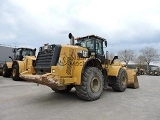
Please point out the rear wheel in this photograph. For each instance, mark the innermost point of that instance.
(92, 83)
(121, 81)
(5, 71)
(15, 73)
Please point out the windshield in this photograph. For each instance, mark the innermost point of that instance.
(87, 43)
(18, 52)
(27, 52)
(21, 52)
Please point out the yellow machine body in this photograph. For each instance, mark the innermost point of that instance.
(72, 65)
(26, 65)
(9, 65)
(22, 60)
(69, 70)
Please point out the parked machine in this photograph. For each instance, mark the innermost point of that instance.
(1, 67)
(21, 61)
(142, 71)
(82, 65)
(154, 71)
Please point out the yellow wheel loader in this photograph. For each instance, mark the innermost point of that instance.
(21, 61)
(82, 65)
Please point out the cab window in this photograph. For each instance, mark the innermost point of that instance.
(99, 47)
(90, 44)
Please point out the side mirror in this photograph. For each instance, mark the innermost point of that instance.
(11, 58)
(105, 42)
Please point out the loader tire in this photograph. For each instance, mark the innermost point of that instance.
(68, 89)
(5, 71)
(121, 81)
(92, 84)
(15, 73)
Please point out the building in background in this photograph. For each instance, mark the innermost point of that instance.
(5, 52)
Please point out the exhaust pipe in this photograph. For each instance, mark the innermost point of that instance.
(71, 37)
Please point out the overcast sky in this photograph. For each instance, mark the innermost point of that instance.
(126, 24)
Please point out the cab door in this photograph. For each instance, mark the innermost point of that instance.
(99, 50)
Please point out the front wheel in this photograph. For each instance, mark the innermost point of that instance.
(92, 83)
(15, 73)
(121, 81)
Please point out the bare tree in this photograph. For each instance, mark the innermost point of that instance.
(140, 60)
(126, 56)
(150, 54)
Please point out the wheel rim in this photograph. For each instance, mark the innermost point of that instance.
(95, 85)
(123, 80)
(14, 72)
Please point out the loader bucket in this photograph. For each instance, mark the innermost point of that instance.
(132, 79)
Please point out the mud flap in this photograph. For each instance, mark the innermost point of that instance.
(132, 79)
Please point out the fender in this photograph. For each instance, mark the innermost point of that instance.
(92, 62)
(9, 65)
(79, 70)
(21, 65)
(113, 70)
(26, 63)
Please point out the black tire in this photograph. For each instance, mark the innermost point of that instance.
(92, 84)
(0, 72)
(121, 81)
(5, 71)
(68, 89)
(15, 73)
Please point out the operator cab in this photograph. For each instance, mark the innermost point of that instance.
(94, 44)
(19, 53)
